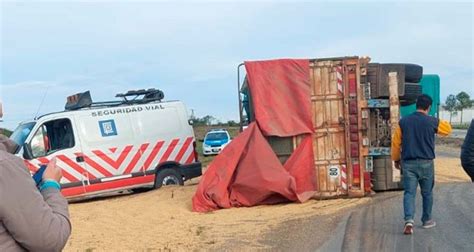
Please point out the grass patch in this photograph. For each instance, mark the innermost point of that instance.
(461, 126)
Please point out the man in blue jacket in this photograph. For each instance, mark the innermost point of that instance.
(413, 145)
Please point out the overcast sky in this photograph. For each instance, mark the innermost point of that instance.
(191, 50)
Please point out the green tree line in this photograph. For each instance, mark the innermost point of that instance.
(457, 103)
(209, 120)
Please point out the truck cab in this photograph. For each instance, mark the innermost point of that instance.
(430, 85)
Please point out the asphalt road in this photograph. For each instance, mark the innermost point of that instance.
(459, 133)
(379, 225)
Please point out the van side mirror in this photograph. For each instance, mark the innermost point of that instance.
(27, 152)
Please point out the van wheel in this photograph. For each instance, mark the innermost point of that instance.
(168, 177)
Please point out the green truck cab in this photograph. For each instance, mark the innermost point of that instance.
(429, 86)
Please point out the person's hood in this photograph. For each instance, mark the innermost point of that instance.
(8, 145)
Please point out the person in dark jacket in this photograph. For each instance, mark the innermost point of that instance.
(467, 152)
(413, 144)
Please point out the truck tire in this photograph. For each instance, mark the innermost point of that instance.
(407, 103)
(382, 175)
(412, 91)
(167, 177)
(413, 73)
(377, 76)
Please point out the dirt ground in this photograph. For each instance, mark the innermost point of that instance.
(448, 165)
(162, 220)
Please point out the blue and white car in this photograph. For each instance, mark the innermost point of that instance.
(215, 141)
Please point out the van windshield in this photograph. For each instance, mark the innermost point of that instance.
(21, 133)
(216, 136)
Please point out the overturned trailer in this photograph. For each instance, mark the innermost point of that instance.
(354, 106)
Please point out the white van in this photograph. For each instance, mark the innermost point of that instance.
(101, 147)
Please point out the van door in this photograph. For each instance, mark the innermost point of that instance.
(111, 150)
(58, 138)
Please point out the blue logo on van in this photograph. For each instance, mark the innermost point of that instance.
(107, 128)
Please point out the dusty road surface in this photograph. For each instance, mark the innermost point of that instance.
(378, 225)
(162, 220)
(459, 133)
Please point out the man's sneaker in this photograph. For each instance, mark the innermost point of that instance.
(408, 230)
(429, 224)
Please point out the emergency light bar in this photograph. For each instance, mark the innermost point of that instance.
(78, 101)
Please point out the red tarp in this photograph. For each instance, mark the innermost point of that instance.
(280, 91)
(248, 172)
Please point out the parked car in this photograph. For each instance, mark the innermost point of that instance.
(112, 146)
(215, 141)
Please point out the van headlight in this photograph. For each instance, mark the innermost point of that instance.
(205, 146)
